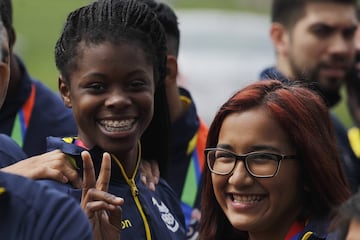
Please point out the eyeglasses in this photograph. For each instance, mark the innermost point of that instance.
(258, 164)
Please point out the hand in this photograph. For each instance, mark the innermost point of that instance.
(194, 226)
(102, 208)
(51, 165)
(150, 173)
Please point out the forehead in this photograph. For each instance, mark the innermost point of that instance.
(125, 53)
(110, 60)
(332, 14)
(257, 126)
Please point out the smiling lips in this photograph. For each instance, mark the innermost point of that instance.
(117, 125)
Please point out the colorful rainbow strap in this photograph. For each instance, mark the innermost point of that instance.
(22, 119)
(196, 165)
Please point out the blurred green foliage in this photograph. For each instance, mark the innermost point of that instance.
(38, 24)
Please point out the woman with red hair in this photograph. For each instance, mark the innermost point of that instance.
(273, 166)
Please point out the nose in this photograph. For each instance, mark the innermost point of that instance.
(342, 46)
(117, 98)
(240, 175)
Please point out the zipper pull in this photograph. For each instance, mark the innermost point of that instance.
(134, 189)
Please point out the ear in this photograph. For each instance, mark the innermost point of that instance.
(12, 37)
(64, 90)
(171, 70)
(280, 38)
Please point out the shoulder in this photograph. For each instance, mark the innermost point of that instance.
(40, 212)
(10, 151)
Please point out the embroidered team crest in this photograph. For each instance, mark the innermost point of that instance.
(166, 216)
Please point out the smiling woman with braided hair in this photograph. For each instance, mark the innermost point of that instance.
(112, 61)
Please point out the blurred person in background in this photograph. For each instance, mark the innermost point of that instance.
(188, 130)
(30, 113)
(347, 221)
(31, 110)
(29, 210)
(353, 97)
(314, 43)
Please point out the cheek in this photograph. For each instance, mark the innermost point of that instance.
(219, 183)
(149, 102)
(287, 186)
(148, 107)
(307, 49)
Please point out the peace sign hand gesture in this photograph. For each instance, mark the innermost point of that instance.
(102, 208)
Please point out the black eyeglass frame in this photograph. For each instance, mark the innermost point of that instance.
(243, 157)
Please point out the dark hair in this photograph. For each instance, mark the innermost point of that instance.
(169, 21)
(115, 21)
(289, 12)
(7, 19)
(304, 116)
(119, 21)
(348, 211)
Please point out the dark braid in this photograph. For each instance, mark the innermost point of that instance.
(169, 21)
(119, 21)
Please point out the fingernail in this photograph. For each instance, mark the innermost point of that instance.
(152, 186)
(156, 179)
(65, 179)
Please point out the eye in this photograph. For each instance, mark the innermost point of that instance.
(139, 84)
(322, 31)
(262, 158)
(349, 33)
(96, 86)
(224, 157)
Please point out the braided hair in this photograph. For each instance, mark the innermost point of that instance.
(114, 21)
(119, 21)
(169, 21)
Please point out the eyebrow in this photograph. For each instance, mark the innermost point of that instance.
(333, 27)
(264, 147)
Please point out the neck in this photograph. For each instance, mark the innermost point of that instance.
(282, 65)
(126, 162)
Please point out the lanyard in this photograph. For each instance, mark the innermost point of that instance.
(196, 165)
(295, 230)
(22, 119)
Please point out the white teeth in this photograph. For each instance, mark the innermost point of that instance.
(247, 199)
(115, 126)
